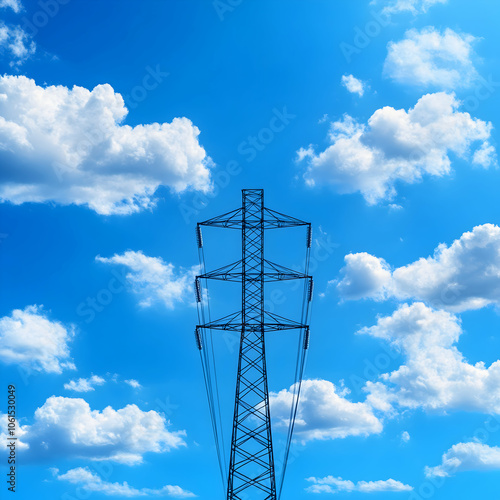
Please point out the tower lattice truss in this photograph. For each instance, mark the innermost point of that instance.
(251, 472)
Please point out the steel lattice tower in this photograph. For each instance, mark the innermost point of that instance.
(251, 468)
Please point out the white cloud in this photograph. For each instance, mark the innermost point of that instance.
(91, 482)
(20, 434)
(353, 85)
(69, 146)
(394, 207)
(15, 5)
(324, 413)
(133, 383)
(28, 338)
(397, 146)
(485, 155)
(429, 58)
(435, 374)
(364, 276)
(155, 280)
(67, 427)
(413, 6)
(16, 44)
(459, 277)
(84, 384)
(466, 457)
(332, 485)
(381, 485)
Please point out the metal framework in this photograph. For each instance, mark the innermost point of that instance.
(251, 465)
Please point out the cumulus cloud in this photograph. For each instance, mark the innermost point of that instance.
(133, 383)
(364, 276)
(31, 340)
(413, 6)
(324, 412)
(20, 434)
(430, 58)
(353, 85)
(92, 483)
(397, 146)
(332, 485)
(15, 5)
(67, 427)
(466, 457)
(155, 280)
(459, 277)
(84, 384)
(15, 44)
(69, 146)
(435, 374)
(485, 155)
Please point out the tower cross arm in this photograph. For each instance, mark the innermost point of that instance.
(231, 220)
(272, 272)
(277, 272)
(272, 323)
(231, 272)
(277, 220)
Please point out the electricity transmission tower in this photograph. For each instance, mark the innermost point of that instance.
(251, 462)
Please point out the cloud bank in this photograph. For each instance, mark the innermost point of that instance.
(466, 457)
(92, 483)
(398, 146)
(435, 375)
(324, 413)
(431, 58)
(333, 485)
(31, 340)
(69, 428)
(459, 277)
(155, 280)
(69, 146)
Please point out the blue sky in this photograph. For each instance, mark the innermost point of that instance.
(122, 124)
